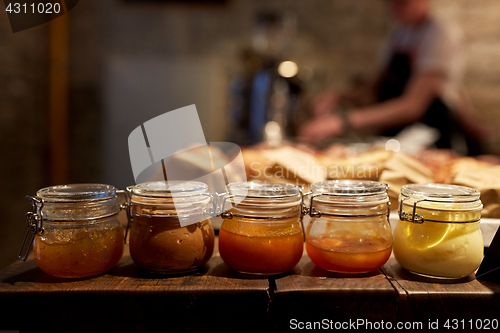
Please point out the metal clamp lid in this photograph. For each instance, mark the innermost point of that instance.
(34, 221)
(227, 214)
(313, 212)
(419, 219)
(35, 218)
(207, 213)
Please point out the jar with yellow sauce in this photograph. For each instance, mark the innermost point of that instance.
(438, 231)
(349, 230)
(170, 232)
(75, 230)
(261, 233)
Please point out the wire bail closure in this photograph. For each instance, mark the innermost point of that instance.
(127, 206)
(34, 221)
(314, 213)
(212, 211)
(207, 213)
(227, 214)
(418, 219)
(414, 217)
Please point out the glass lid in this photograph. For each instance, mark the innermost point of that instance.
(440, 192)
(162, 189)
(264, 190)
(77, 192)
(349, 187)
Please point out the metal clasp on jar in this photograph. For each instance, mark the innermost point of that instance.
(415, 218)
(228, 214)
(207, 213)
(34, 221)
(313, 212)
(126, 205)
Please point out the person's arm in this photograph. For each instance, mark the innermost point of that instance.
(408, 108)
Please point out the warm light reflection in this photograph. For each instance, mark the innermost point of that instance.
(288, 69)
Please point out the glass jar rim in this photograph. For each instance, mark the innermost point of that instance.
(440, 192)
(349, 188)
(76, 193)
(263, 200)
(162, 189)
(264, 190)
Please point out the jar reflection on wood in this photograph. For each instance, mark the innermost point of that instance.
(75, 229)
(158, 241)
(349, 230)
(438, 231)
(262, 233)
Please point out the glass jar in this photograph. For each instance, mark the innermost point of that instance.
(75, 229)
(438, 231)
(262, 232)
(349, 230)
(169, 232)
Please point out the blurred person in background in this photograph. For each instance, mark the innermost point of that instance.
(418, 80)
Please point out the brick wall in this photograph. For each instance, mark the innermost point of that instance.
(479, 22)
(23, 135)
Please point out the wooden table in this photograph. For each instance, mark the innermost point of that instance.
(217, 298)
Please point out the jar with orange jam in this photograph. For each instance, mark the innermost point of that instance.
(349, 230)
(438, 233)
(262, 233)
(170, 231)
(75, 230)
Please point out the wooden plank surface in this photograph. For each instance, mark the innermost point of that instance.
(427, 299)
(312, 294)
(127, 297)
(217, 298)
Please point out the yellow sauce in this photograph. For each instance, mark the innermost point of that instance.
(447, 250)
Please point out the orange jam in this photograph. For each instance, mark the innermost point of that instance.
(78, 252)
(348, 255)
(263, 247)
(161, 245)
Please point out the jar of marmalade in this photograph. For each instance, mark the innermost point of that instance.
(349, 230)
(170, 232)
(438, 231)
(75, 229)
(262, 232)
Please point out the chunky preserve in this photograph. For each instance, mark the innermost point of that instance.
(170, 233)
(77, 233)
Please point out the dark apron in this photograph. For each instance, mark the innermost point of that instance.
(393, 83)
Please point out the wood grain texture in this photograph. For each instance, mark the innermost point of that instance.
(127, 297)
(217, 298)
(426, 298)
(313, 294)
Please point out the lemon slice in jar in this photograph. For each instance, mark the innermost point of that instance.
(427, 235)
